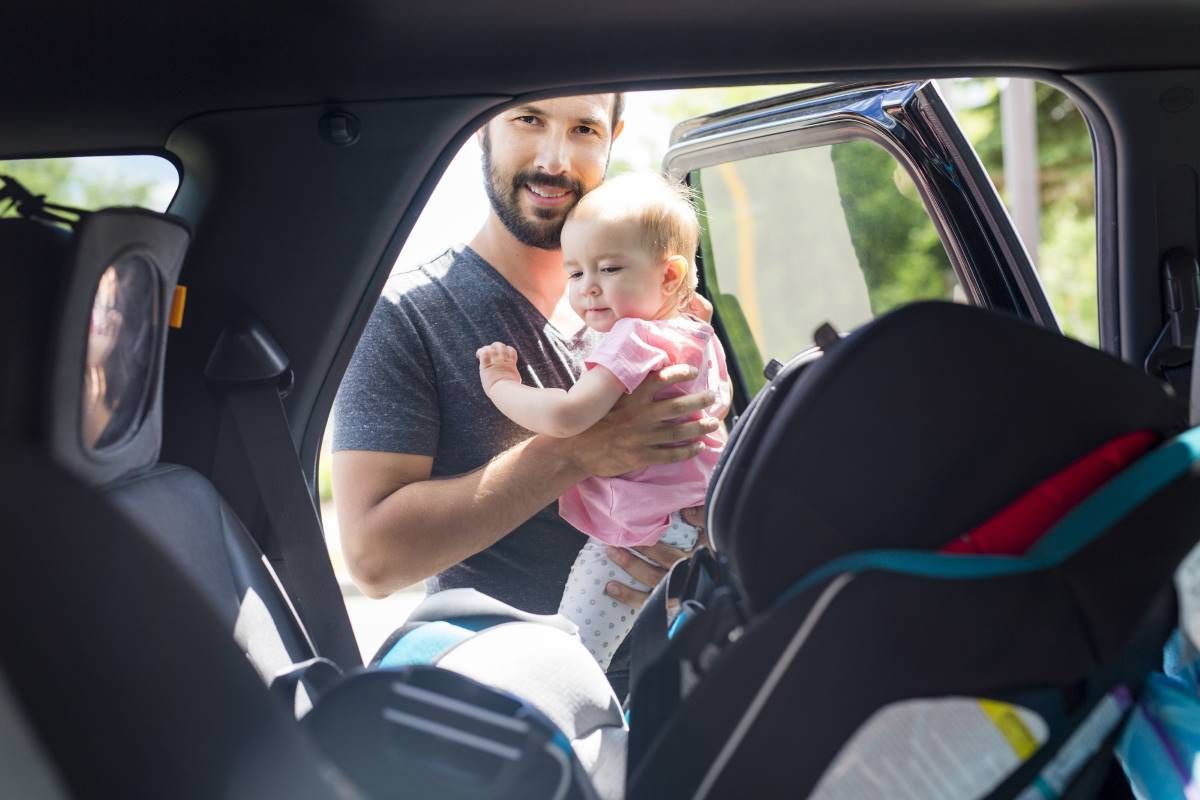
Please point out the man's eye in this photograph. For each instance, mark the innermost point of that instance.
(527, 119)
(586, 131)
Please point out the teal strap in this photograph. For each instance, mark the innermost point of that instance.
(1083, 524)
(425, 644)
(683, 616)
(1121, 495)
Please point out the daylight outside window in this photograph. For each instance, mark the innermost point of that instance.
(868, 243)
(92, 182)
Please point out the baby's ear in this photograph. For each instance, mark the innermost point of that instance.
(675, 274)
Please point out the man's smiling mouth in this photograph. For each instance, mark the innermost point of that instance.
(549, 194)
(549, 197)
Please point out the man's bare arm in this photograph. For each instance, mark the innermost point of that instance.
(399, 526)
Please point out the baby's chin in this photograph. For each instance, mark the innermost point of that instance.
(601, 322)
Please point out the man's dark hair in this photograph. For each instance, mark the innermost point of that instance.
(618, 107)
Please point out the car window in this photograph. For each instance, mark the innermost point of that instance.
(791, 240)
(91, 182)
(866, 227)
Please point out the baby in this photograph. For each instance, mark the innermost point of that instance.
(628, 248)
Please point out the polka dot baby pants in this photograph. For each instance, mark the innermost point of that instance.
(603, 622)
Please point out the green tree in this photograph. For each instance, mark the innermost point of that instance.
(901, 256)
(69, 181)
(1067, 194)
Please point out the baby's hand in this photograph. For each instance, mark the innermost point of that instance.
(497, 362)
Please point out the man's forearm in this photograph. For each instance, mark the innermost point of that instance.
(424, 527)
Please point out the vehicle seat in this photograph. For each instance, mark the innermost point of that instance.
(64, 286)
(185, 515)
(865, 650)
(126, 682)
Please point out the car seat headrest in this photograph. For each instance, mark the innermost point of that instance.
(93, 309)
(912, 431)
(32, 258)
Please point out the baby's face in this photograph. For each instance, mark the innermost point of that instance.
(610, 274)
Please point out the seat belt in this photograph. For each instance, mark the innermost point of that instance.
(257, 471)
(1170, 357)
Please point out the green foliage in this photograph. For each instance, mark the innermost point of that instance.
(900, 253)
(728, 310)
(1067, 189)
(901, 256)
(325, 473)
(77, 182)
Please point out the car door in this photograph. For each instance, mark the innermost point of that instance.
(837, 204)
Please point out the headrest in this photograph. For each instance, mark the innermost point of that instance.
(32, 259)
(89, 336)
(912, 431)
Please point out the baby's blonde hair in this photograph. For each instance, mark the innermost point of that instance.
(664, 211)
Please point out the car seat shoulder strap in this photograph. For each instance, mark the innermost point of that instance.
(1093, 516)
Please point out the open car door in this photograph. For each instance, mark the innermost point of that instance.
(838, 204)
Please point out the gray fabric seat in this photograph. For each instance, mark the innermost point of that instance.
(181, 510)
(126, 675)
(54, 276)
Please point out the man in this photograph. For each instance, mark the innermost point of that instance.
(430, 480)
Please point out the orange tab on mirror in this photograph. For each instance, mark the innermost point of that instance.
(177, 304)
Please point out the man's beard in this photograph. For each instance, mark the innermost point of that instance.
(505, 197)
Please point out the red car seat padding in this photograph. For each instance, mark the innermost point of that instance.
(1016, 528)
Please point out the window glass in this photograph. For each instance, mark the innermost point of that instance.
(91, 182)
(120, 351)
(1035, 145)
(835, 233)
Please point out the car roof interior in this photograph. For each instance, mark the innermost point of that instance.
(301, 232)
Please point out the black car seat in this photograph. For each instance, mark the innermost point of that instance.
(865, 662)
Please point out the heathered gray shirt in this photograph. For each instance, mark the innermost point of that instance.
(413, 387)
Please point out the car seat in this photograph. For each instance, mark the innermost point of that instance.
(176, 505)
(861, 661)
(48, 354)
(123, 681)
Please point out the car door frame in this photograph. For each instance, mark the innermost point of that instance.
(910, 120)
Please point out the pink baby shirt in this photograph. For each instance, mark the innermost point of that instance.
(634, 508)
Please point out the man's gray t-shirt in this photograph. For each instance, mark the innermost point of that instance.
(413, 387)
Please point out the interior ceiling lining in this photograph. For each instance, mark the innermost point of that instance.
(135, 70)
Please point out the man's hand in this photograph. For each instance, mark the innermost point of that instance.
(641, 431)
(497, 362)
(664, 557)
(699, 307)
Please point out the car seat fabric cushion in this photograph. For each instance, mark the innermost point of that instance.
(928, 413)
(32, 267)
(1088, 610)
(185, 516)
(1015, 529)
(164, 705)
(936, 426)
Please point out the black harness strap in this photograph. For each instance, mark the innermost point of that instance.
(664, 669)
